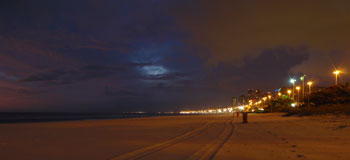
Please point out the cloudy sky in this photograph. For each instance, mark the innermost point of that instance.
(160, 55)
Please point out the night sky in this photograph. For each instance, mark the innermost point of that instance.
(159, 55)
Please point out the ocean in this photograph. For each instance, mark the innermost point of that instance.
(26, 117)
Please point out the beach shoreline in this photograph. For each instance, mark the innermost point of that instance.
(32, 117)
(266, 136)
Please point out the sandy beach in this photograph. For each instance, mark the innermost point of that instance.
(266, 136)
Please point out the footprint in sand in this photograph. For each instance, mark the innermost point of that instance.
(284, 140)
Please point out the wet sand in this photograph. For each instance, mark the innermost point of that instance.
(266, 136)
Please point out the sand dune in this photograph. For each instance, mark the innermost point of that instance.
(266, 136)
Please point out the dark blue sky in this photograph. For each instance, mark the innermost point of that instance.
(154, 55)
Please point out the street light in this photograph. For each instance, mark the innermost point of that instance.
(293, 82)
(289, 91)
(336, 72)
(302, 78)
(309, 84)
(264, 98)
(270, 102)
(308, 97)
(298, 89)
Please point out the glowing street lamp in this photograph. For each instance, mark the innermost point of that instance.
(264, 99)
(336, 72)
(298, 89)
(269, 96)
(289, 91)
(279, 94)
(309, 84)
(293, 82)
(308, 97)
(302, 78)
(270, 101)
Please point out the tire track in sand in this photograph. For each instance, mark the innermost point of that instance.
(136, 154)
(209, 151)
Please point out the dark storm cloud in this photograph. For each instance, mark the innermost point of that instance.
(167, 76)
(84, 73)
(271, 68)
(7, 77)
(157, 55)
(47, 76)
(121, 93)
(57, 29)
(265, 71)
(233, 29)
(31, 91)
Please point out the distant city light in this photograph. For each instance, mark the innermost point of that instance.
(292, 81)
(213, 111)
(336, 72)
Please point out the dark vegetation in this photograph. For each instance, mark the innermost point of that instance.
(280, 105)
(331, 100)
(337, 109)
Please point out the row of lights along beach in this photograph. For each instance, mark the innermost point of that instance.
(257, 105)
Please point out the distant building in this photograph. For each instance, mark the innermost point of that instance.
(234, 101)
(242, 100)
(254, 94)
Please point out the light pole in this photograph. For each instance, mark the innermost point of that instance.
(289, 91)
(293, 82)
(298, 89)
(308, 97)
(336, 72)
(264, 98)
(302, 78)
(270, 102)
